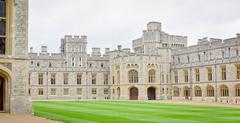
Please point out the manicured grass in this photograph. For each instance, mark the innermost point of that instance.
(133, 112)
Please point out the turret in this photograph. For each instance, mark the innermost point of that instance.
(154, 26)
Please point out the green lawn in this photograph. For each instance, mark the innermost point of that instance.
(133, 112)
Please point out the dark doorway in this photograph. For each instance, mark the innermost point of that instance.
(1, 93)
(186, 92)
(118, 92)
(133, 93)
(151, 93)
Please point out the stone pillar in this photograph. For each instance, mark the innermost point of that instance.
(142, 93)
(20, 99)
(124, 93)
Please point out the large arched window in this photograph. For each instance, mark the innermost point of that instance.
(237, 90)
(133, 76)
(224, 91)
(198, 91)
(151, 76)
(210, 91)
(175, 91)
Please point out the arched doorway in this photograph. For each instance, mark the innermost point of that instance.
(5, 80)
(1, 93)
(118, 92)
(186, 92)
(133, 93)
(176, 92)
(151, 93)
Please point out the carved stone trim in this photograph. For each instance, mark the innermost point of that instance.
(7, 65)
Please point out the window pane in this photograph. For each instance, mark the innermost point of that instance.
(2, 8)
(2, 27)
(2, 45)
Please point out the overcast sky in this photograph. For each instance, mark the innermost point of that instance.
(108, 23)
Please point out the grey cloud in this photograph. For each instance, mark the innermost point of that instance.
(108, 23)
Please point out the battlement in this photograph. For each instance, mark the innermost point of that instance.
(153, 39)
(154, 26)
(96, 52)
(46, 56)
(75, 38)
(206, 42)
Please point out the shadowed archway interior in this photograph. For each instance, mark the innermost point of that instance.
(1, 93)
(151, 93)
(186, 92)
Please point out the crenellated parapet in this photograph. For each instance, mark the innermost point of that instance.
(75, 38)
(208, 51)
(208, 44)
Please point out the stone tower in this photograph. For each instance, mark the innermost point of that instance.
(14, 96)
(75, 50)
(155, 41)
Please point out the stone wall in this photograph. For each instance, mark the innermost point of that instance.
(20, 99)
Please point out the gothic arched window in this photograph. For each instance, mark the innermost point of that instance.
(133, 76)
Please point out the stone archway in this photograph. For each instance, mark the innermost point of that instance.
(5, 79)
(2, 83)
(186, 92)
(151, 91)
(118, 92)
(133, 93)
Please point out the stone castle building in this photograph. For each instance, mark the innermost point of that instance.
(161, 66)
(208, 71)
(14, 96)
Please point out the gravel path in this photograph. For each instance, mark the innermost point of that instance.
(9, 118)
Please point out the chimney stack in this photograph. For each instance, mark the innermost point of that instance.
(107, 50)
(44, 49)
(31, 49)
(238, 36)
(119, 47)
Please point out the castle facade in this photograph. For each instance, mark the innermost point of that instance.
(161, 66)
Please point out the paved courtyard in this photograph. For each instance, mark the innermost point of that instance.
(7, 118)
